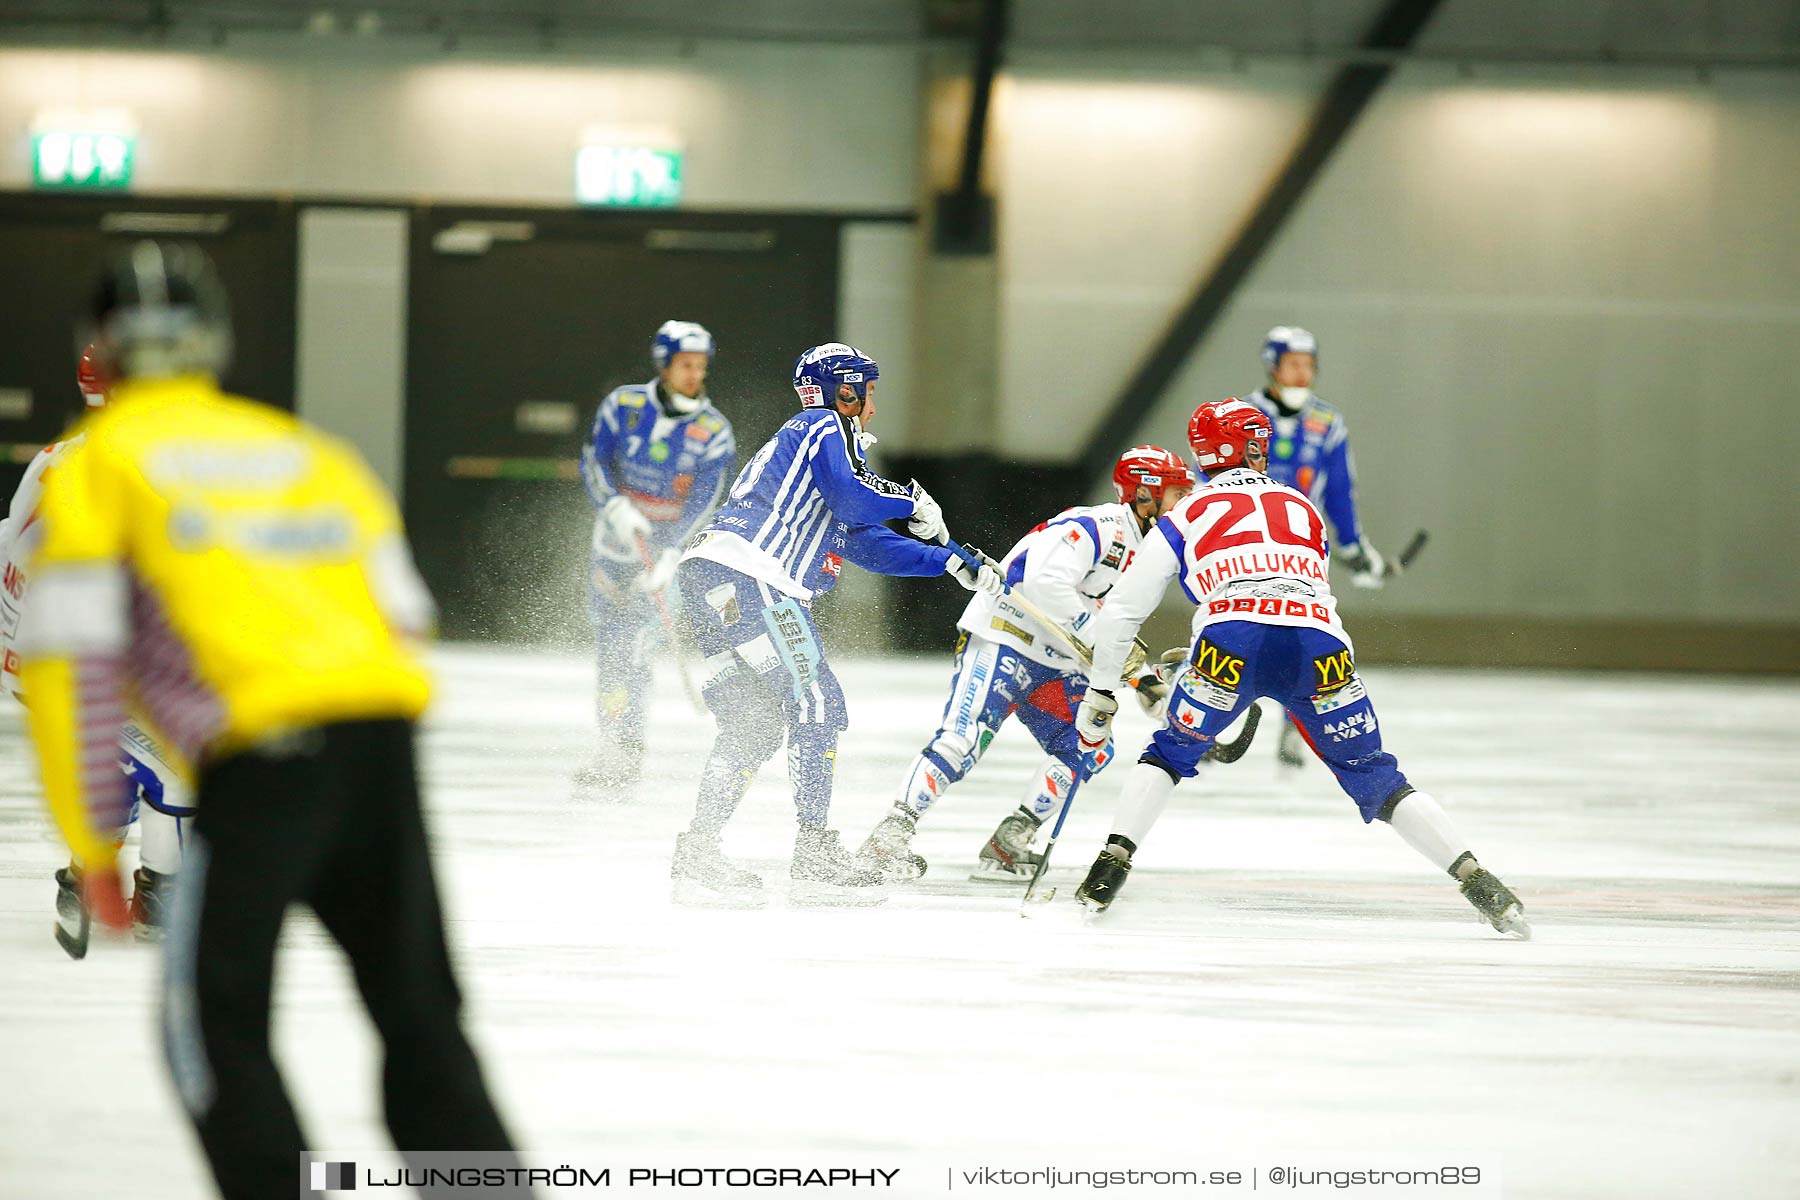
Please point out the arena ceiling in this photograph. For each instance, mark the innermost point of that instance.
(1677, 32)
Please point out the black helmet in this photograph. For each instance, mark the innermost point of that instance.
(159, 309)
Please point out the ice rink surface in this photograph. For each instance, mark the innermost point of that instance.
(1275, 976)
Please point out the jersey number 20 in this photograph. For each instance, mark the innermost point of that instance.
(1284, 520)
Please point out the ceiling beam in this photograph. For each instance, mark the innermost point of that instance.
(965, 217)
(1344, 102)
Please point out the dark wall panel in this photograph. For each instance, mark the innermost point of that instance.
(498, 518)
(50, 247)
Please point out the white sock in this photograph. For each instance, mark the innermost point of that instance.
(160, 847)
(924, 784)
(1427, 828)
(1147, 789)
(1046, 793)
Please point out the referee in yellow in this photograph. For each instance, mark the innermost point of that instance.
(244, 582)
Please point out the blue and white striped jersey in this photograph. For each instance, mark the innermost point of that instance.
(673, 466)
(807, 502)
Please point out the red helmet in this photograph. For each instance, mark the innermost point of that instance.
(89, 379)
(1222, 430)
(1149, 467)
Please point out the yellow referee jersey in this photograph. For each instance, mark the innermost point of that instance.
(227, 570)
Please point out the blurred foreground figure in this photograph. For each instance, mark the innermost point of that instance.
(159, 802)
(1252, 554)
(656, 464)
(246, 579)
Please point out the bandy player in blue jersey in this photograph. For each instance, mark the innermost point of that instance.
(1309, 451)
(806, 504)
(1309, 447)
(1252, 555)
(1008, 663)
(656, 465)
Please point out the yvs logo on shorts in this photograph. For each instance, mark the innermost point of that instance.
(1212, 663)
(1334, 671)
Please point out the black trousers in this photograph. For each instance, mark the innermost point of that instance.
(329, 818)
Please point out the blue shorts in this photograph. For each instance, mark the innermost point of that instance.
(1308, 672)
(749, 633)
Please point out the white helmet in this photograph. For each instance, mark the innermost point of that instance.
(676, 337)
(1288, 339)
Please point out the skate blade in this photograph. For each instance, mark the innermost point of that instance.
(987, 871)
(1034, 904)
(1512, 924)
(813, 893)
(691, 893)
(894, 870)
(72, 936)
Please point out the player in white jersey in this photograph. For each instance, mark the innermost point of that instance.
(161, 801)
(1008, 663)
(1251, 554)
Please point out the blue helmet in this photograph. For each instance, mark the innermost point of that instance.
(823, 370)
(677, 336)
(1288, 339)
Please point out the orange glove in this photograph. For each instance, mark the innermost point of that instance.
(105, 898)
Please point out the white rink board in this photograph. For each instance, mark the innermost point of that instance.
(1274, 975)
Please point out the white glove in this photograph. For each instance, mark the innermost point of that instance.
(1093, 720)
(656, 580)
(979, 578)
(1367, 568)
(1153, 682)
(625, 522)
(927, 521)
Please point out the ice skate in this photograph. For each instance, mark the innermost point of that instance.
(1104, 878)
(704, 876)
(1007, 857)
(823, 872)
(888, 849)
(72, 918)
(1496, 903)
(149, 902)
(612, 774)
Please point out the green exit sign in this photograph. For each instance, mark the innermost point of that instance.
(628, 176)
(82, 160)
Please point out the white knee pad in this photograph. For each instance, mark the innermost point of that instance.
(959, 750)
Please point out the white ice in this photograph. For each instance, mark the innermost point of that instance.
(1274, 975)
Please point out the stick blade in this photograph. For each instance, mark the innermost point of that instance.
(1230, 752)
(75, 941)
(1414, 547)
